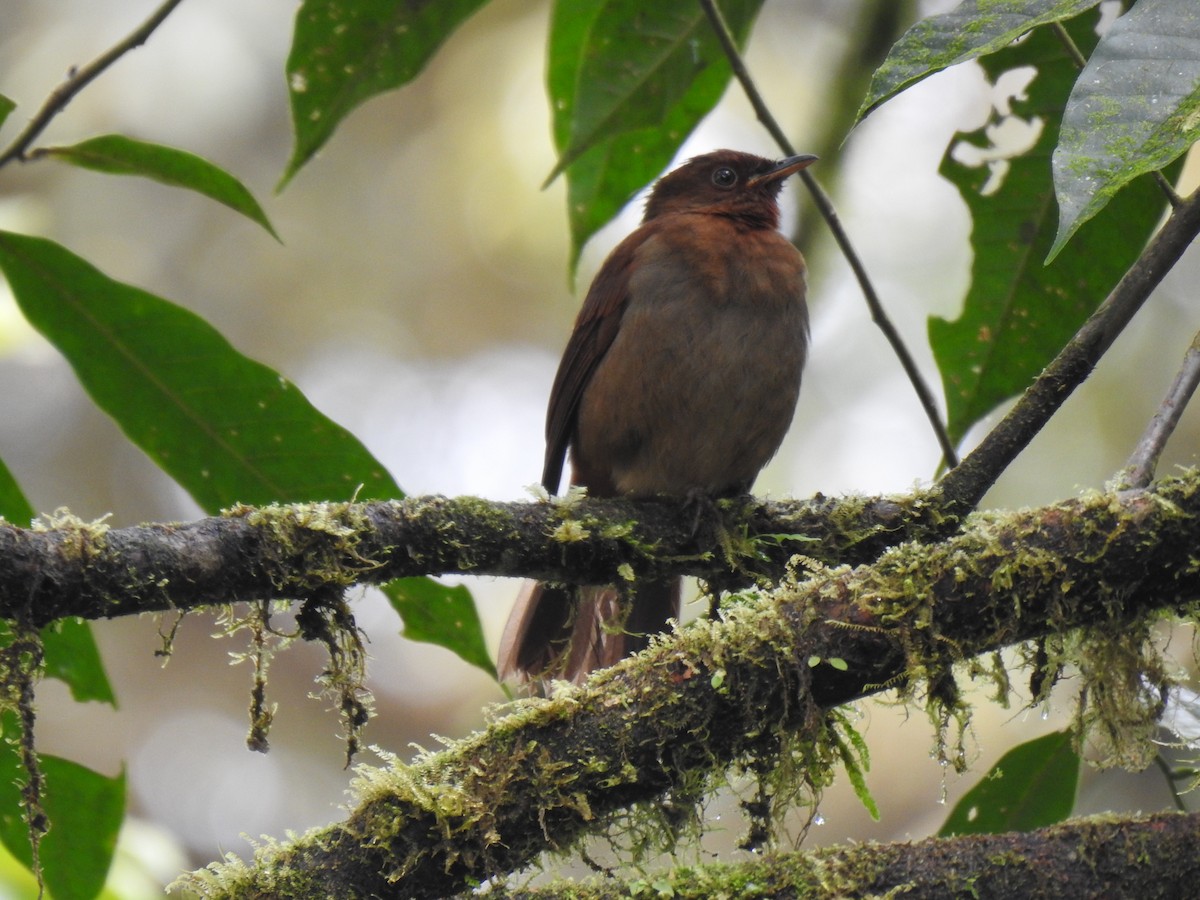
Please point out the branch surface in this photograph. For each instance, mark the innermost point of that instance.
(66, 567)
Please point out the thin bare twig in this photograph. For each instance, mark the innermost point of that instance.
(79, 79)
(1139, 471)
(825, 206)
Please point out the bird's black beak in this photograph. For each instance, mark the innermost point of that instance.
(783, 169)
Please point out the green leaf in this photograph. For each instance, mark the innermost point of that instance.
(1018, 313)
(227, 428)
(13, 505)
(346, 53)
(1032, 786)
(73, 657)
(118, 155)
(70, 649)
(85, 810)
(855, 759)
(6, 106)
(972, 29)
(438, 614)
(1135, 109)
(628, 82)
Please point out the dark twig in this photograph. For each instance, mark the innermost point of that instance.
(825, 206)
(964, 486)
(79, 79)
(1142, 463)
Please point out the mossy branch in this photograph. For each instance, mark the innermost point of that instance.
(66, 567)
(1144, 857)
(720, 693)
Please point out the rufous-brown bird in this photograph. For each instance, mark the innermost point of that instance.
(680, 378)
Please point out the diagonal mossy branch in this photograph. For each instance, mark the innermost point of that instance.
(721, 692)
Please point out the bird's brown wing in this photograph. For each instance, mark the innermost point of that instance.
(595, 328)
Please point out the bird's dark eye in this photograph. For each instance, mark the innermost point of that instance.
(724, 177)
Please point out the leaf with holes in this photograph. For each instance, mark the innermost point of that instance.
(1018, 312)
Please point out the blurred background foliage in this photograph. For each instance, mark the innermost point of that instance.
(420, 298)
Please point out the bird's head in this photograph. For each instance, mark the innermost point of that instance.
(725, 182)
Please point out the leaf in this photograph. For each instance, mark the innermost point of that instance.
(1032, 786)
(6, 106)
(1134, 110)
(628, 82)
(972, 29)
(856, 760)
(227, 428)
(85, 810)
(73, 657)
(1018, 313)
(13, 505)
(344, 53)
(118, 155)
(70, 649)
(438, 614)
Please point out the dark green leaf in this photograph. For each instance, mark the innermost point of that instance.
(73, 657)
(119, 155)
(227, 428)
(1135, 109)
(71, 654)
(1018, 312)
(1032, 786)
(972, 29)
(6, 106)
(344, 53)
(13, 505)
(628, 82)
(85, 810)
(442, 615)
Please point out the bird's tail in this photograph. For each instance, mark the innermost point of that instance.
(560, 631)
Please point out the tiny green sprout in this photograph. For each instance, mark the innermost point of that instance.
(537, 492)
(835, 661)
(718, 678)
(781, 539)
(569, 532)
(625, 570)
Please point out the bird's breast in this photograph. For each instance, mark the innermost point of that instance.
(700, 382)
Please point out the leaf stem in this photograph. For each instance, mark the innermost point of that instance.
(964, 486)
(1139, 471)
(825, 206)
(78, 79)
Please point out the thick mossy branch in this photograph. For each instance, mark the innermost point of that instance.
(720, 693)
(1145, 857)
(66, 567)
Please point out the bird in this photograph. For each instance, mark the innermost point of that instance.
(680, 379)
